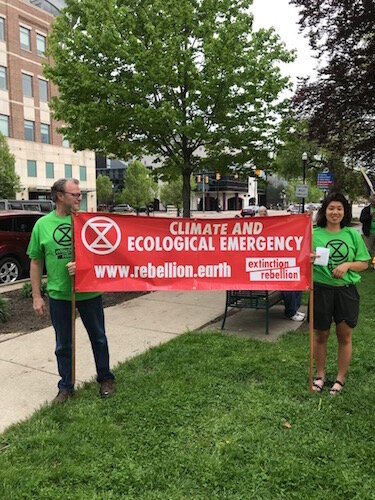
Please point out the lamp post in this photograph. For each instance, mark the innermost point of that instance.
(304, 161)
(217, 191)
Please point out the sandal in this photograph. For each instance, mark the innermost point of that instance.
(333, 391)
(318, 387)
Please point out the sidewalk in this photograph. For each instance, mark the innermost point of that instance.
(28, 371)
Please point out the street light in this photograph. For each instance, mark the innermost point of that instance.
(304, 161)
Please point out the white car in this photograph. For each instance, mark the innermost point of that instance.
(123, 207)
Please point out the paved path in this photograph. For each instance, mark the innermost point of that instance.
(28, 373)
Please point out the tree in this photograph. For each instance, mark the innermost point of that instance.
(171, 193)
(314, 194)
(139, 189)
(9, 180)
(340, 105)
(104, 189)
(185, 80)
(288, 161)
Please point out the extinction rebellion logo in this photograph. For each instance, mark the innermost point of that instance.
(62, 235)
(339, 252)
(101, 235)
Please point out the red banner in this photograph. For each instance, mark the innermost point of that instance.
(125, 252)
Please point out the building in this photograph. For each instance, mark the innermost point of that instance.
(42, 155)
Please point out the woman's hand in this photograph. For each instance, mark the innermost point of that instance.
(340, 270)
(312, 257)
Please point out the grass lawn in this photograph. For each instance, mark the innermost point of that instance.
(207, 416)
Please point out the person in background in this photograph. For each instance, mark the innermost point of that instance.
(292, 300)
(335, 292)
(367, 218)
(51, 244)
(262, 211)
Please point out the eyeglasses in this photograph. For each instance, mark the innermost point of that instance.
(76, 195)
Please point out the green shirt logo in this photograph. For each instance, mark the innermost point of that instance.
(338, 253)
(62, 235)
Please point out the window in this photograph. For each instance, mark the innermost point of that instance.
(49, 170)
(43, 90)
(68, 171)
(25, 38)
(82, 173)
(25, 223)
(2, 29)
(44, 133)
(4, 125)
(3, 78)
(40, 44)
(6, 224)
(65, 143)
(83, 205)
(29, 130)
(31, 168)
(27, 85)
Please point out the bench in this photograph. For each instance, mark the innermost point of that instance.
(252, 299)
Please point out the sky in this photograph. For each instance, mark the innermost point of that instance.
(282, 16)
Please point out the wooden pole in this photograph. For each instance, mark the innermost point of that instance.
(369, 183)
(311, 316)
(73, 318)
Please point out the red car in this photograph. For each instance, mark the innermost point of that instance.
(15, 232)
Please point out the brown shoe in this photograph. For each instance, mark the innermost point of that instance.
(62, 397)
(107, 388)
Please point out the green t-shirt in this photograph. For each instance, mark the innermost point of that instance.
(51, 241)
(345, 246)
(372, 227)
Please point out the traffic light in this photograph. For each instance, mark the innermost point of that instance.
(198, 178)
(218, 176)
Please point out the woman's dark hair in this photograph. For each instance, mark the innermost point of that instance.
(321, 219)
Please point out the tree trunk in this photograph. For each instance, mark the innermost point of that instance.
(186, 173)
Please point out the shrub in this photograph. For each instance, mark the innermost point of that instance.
(4, 314)
(27, 292)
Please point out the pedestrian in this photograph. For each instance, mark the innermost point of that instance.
(335, 292)
(292, 299)
(367, 218)
(51, 246)
(262, 211)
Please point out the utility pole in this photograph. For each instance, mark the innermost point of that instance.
(304, 161)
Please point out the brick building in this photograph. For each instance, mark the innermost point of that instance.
(42, 155)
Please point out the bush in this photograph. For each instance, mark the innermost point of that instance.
(27, 292)
(4, 314)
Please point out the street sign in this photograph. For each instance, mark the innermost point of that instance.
(302, 190)
(325, 180)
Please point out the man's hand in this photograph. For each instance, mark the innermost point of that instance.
(71, 266)
(340, 270)
(39, 306)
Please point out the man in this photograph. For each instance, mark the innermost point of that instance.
(368, 226)
(292, 300)
(50, 244)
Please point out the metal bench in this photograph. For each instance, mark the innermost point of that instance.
(252, 299)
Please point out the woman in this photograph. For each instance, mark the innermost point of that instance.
(335, 292)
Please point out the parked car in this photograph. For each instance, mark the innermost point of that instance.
(296, 209)
(249, 211)
(122, 207)
(45, 206)
(15, 232)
